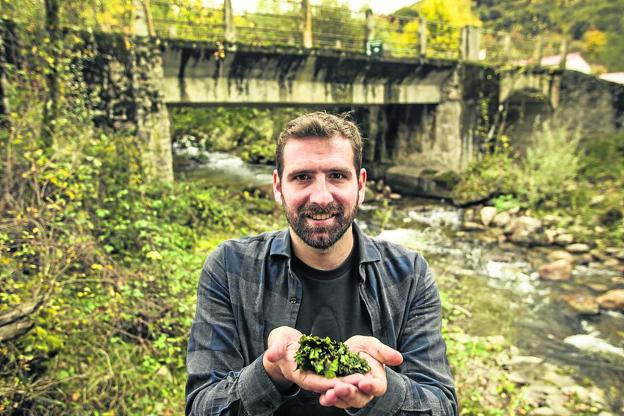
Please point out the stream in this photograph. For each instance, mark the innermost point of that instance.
(499, 286)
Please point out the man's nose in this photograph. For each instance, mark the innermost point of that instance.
(321, 194)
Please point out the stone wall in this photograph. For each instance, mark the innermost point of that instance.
(596, 106)
(126, 77)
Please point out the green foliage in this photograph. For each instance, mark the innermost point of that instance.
(109, 260)
(493, 174)
(550, 165)
(506, 202)
(328, 357)
(249, 132)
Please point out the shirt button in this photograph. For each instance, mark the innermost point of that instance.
(293, 300)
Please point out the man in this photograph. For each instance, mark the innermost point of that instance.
(322, 276)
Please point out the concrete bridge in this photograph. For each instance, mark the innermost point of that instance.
(418, 112)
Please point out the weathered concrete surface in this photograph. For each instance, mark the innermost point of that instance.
(201, 73)
(567, 98)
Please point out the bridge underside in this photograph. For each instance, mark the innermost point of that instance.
(208, 75)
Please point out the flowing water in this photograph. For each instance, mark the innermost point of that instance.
(498, 286)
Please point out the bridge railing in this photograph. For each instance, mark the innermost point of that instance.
(300, 24)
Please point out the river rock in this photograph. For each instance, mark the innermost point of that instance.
(379, 186)
(369, 194)
(550, 235)
(578, 248)
(597, 287)
(472, 226)
(611, 250)
(561, 255)
(556, 271)
(526, 230)
(564, 239)
(583, 304)
(387, 190)
(610, 262)
(584, 259)
(501, 219)
(395, 197)
(613, 300)
(597, 254)
(487, 214)
(619, 255)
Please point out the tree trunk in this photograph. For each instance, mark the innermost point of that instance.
(51, 106)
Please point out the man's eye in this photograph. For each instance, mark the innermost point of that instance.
(302, 177)
(337, 175)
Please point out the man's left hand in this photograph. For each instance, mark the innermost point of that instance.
(357, 390)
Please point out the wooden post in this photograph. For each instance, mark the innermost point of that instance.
(507, 47)
(147, 9)
(307, 23)
(564, 55)
(470, 43)
(539, 50)
(229, 29)
(422, 29)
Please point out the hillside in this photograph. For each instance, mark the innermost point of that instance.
(596, 28)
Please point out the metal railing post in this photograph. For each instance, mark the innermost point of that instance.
(307, 23)
(229, 30)
(422, 31)
(369, 29)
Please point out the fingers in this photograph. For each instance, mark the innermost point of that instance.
(376, 349)
(276, 350)
(313, 382)
(345, 395)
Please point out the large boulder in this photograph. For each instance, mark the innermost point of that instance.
(502, 219)
(613, 300)
(583, 304)
(487, 214)
(527, 231)
(419, 181)
(556, 271)
(561, 255)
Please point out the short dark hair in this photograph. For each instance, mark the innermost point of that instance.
(324, 125)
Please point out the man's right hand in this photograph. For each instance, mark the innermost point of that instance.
(279, 362)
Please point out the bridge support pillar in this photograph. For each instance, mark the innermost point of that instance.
(152, 119)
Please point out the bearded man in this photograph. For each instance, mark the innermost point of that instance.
(322, 276)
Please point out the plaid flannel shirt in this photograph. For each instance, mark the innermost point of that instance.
(247, 289)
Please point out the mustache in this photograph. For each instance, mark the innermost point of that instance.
(314, 209)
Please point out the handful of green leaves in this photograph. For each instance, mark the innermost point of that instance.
(327, 357)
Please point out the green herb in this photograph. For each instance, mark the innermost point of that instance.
(327, 357)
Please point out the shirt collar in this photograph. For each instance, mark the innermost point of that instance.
(281, 245)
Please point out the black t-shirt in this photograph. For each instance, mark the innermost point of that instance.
(330, 307)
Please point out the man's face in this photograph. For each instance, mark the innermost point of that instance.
(319, 189)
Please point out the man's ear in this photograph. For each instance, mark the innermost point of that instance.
(277, 187)
(361, 185)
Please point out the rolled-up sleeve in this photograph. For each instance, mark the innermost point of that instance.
(219, 382)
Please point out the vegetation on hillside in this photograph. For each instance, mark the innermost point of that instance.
(595, 28)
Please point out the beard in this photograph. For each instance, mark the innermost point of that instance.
(321, 237)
